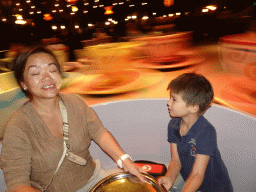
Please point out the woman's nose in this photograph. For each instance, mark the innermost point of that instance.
(46, 76)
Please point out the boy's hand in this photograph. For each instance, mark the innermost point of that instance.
(165, 181)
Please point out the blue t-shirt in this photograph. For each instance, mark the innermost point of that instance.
(200, 139)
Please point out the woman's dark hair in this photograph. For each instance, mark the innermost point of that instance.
(19, 63)
(195, 89)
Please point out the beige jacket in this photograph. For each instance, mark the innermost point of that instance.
(30, 153)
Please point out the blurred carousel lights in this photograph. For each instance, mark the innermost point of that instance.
(74, 8)
(76, 26)
(108, 10)
(86, 4)
(57, 5)
(90, 25)
(85, 11)
(47, 17)
(63, 27)
(19, 20)
(31, 13)
(20, 9)
(107, 23)
(145, 17)
(131, 5)
(178, 13)
(121, 3)
(170, 15)
(54, 27)
(39, 12)
(17, 4)
(71, 1)
(61, 10)
(54, 11)
(33, 7)
(4, 19)
(28, 1)
(209, 8)
(154, 13)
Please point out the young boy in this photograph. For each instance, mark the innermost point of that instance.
(193, 140)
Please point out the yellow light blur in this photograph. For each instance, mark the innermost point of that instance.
(90, 25)
(178, 13)
(62, 27)
(74, 8)
(145, 17)
(154, 13)
(205, 10)
(107, 23)
(134, 17)
(54, 27)
(76, 26)
(211, 7)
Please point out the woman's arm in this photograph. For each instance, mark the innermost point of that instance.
(110, 146)
(173, 170)
(197, 174)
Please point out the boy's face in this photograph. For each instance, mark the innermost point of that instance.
(177, 107)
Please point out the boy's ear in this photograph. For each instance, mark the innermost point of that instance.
(194, 108)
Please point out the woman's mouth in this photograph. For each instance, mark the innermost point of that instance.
(49, 87)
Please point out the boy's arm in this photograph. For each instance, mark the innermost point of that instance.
(174, 165)
(197, 174)
(173, 168)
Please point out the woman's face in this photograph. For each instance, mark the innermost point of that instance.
(41, 76)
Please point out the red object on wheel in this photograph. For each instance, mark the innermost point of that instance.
(152, 168)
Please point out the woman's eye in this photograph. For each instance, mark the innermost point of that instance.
(54, 70)
(33, 74)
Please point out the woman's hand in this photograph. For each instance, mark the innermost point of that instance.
(165, 181)
(134, 169)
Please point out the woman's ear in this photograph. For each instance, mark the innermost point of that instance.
(23, 86)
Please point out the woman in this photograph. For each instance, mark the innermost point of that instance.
(54, 130)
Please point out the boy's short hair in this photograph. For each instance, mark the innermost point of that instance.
(194, 88)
